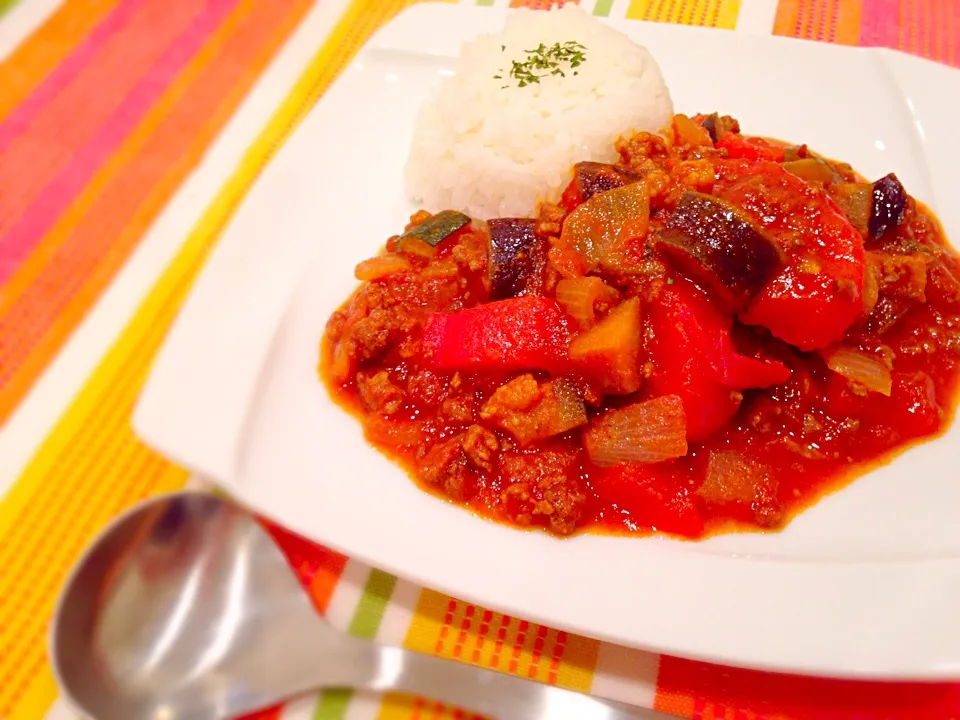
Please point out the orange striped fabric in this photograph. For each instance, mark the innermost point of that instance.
(130, 169)
(928, 28)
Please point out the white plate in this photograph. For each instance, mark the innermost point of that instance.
(864, 584)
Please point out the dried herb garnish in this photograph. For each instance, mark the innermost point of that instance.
(544, 61)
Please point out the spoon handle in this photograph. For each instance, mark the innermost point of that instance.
(491, 693)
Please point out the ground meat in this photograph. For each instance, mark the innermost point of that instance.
(471, 253)
(373, 334)
(901, 275)
(543, 487)
(446, 465)
(549, 220)
(511, 405)
(453, 463)
(659, 188)
(481, 447)
(428, 388)
(335, 325)
(638, 153)
(516, 396)
(458, 409)
(697, 175)
(379, 393)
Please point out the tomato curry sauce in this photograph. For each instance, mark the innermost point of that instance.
(708, 334)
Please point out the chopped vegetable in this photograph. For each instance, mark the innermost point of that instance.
(856, 202)
(590, 178)
(749, 148)
(606, 221)
(437, 227)
(812, 170)
(718, 125)
(512, 244)
(581, 296)
(412, 245)
(716, 243)
(694, 358)
(381, 266)
(867, 371)
(514, 334)
(654, 496)
(608, 354)
(645, 432)
(889, 204)
(687, 132)
(911, 407)
(817, 294)
(532, 412)
(734, 478)
(544, 61)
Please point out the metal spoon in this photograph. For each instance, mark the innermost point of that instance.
(185, 609)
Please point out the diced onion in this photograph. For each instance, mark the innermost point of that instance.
(869, 371)
(579, 297)
(646, 432)
(731, 477)
(381, 266)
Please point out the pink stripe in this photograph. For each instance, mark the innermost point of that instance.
(21, 117)
(880, 23)
(16, 243)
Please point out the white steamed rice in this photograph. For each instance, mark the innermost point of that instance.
(489, 150)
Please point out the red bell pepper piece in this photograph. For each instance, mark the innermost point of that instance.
(655, 496)
(519, 333)
(694, 357)
(749, 148)
(818, 293)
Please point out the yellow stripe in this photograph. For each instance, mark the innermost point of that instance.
(712, 13)
(91, 466)
(457, 630)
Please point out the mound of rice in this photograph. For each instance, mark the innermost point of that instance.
(490, 150)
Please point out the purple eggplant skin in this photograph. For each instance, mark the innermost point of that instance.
(714, 243)
(512, 256)
(595, 177)
(710, 125)
(889, 205)
(719, 125)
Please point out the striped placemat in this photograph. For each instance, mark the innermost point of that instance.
(105, 111)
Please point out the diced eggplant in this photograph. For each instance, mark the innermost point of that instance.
(437, 228)
(607, 222)
(718, 125)
(889, 204)
(512, 246)
(594, 177)
(714, 241)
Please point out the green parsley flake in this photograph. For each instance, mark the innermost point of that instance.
(544, 61)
